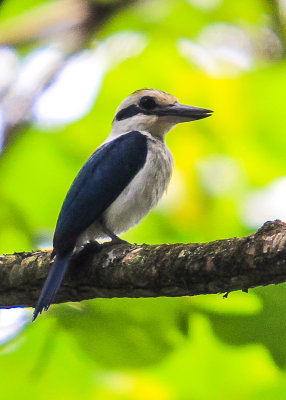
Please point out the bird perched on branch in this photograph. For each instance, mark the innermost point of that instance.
(122, 180)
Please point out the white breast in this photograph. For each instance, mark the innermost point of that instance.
(144, 191)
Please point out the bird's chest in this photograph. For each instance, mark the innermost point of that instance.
(144, 191)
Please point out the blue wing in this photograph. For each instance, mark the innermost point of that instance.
(100, 181)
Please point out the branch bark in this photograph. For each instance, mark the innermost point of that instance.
(150, 271)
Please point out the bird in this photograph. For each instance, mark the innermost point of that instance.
(121, 181)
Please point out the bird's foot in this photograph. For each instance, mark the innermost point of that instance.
(85, 252)
(113, 242)
(118, 240)
(114, 238)
(93, 246)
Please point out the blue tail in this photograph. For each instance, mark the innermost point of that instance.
(52, 284)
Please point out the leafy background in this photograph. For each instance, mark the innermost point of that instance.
(61, 79)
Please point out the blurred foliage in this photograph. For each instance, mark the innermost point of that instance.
(132, 349)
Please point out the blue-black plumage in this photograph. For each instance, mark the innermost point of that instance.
(100, 181)
(52, 283)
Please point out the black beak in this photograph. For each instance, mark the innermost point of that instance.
(184, 113)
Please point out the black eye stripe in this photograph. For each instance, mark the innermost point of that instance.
(127, 112)
(132, 110)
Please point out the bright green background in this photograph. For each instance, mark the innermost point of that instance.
(187, 348)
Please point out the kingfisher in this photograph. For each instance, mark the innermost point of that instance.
(121, 181)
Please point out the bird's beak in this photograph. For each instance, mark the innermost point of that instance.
(183, 113)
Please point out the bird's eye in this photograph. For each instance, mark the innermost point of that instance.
(147, 103)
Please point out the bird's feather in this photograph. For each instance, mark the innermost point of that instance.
(101, 180)
(52, 284)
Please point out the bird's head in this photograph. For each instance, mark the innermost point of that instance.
(154, 111)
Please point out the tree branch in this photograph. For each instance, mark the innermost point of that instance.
(151, 271)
